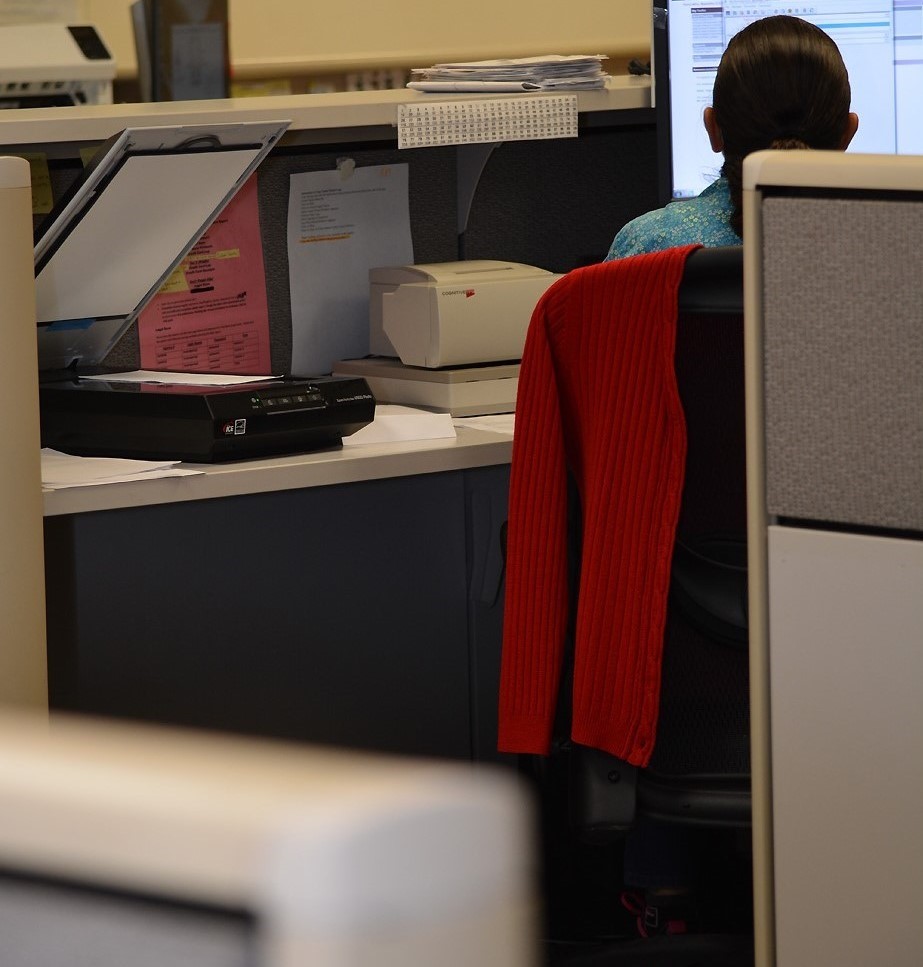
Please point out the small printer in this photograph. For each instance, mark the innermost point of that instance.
(453, 313)
(54, 65)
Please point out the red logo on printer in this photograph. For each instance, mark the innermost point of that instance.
(469, 293)
(234, 428)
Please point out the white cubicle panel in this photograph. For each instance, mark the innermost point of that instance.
(834, 358)
(146, 846)
(846, 663)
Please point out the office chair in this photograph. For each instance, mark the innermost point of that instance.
(699, 770)
(698, 774)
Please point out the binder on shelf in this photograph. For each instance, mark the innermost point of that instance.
(182, 49)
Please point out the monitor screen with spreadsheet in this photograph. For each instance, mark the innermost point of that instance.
(881, 42)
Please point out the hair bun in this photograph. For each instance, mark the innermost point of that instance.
(788, 142)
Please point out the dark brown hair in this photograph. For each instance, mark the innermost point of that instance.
(782, 84)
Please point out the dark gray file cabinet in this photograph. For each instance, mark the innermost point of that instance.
(363, 614)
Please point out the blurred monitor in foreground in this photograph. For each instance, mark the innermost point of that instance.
(144, 846)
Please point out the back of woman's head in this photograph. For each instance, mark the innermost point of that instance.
(781, 83)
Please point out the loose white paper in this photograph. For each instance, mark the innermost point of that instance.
(341, 223)
(426, 124)
(495, 423)
(178, 379)
(393, 424)
(60, 470)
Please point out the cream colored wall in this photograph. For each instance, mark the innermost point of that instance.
(280, 37)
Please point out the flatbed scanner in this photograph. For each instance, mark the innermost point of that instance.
(101, 255)
(201, 424)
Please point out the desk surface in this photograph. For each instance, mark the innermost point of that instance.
(317, 113)
(471, 448)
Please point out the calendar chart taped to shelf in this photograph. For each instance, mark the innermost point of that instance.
(428, 125)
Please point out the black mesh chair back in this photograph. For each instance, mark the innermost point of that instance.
(699, 771)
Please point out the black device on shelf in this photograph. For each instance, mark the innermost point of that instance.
(201, 424)
(102, 254)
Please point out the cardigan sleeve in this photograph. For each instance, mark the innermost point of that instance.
(633, 446)
(596, 383)
(536, 603)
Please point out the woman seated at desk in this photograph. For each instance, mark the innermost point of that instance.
(781, 84)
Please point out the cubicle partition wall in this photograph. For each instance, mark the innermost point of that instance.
(23, 674)
(835, 475)
(553, 203)
(433, 221)
(345, 597)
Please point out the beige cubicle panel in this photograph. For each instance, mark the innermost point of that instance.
(279, 38)
(22, 590)
(834, 356)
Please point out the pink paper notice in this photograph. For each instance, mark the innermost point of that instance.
(211, 315)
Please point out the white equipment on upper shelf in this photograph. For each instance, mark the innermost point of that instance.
(54, 65)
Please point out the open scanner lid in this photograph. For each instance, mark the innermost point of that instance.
(139, 207)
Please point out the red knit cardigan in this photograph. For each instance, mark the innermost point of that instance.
(598, 397)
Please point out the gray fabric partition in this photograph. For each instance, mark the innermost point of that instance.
(432, 221)
(52, 924)
(556, 204)
(843, 311)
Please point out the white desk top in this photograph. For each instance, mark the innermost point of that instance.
(320, 114)
(471, 448)
(308, 112)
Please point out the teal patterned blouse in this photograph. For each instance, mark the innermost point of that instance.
(704, 219)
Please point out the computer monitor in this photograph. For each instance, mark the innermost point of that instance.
(881, 42)
(142, 845)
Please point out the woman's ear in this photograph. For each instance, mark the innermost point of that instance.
(714, 132)
(852, 125)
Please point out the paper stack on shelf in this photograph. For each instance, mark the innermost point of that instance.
(552, 72)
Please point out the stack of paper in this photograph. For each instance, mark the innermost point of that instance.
(553, 72)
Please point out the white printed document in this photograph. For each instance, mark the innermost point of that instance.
(177, 379)
(341, 223)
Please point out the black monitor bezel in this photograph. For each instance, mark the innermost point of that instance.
(660, 92)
